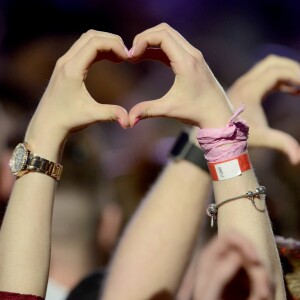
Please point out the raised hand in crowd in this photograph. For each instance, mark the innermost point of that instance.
(66, 106)
(195, 98)
(230, 268)
(274, 73)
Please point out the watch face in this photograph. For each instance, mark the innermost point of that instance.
(18, 159)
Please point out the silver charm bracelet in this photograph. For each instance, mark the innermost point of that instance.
(260, 192)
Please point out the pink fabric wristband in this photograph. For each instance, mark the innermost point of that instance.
(221, 144)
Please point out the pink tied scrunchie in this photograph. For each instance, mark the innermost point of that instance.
(220, 144)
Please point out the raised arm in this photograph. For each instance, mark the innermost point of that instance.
(272, 74)
(66, 106)
(157, 245)
(195, 98)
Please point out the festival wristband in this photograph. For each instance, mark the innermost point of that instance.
(229, 168)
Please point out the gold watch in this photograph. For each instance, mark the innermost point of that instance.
(24, 161)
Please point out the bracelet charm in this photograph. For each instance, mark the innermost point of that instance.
(260, 192)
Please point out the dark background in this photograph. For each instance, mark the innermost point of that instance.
(232, 35)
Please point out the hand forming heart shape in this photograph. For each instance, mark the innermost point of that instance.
(195, 97)
(273, 73)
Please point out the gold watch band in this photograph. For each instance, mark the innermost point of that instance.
(38, 164)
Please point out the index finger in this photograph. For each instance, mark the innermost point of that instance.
(155, 54)
(161, 39)
(272, 61)
(175, 34)
(97, 48)
(84, 38)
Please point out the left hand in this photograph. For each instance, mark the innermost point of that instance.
(273, 73)
(196, 97)
(229, 268)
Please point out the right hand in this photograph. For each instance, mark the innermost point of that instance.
(66, 105)
(273, 73)
(196, 97)
(218, 271)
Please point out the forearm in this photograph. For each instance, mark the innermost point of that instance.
(242, 216)
(250, 218)
(65, 107)
(26, 229)
(154, 251)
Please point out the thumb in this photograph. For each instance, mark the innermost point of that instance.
(108, 112)
(148, 109)
(278, 140)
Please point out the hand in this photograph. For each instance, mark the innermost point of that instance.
(196, 96)
(274, 73)
(66, 105)
(229, 268)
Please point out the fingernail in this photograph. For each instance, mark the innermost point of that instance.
(136, 120)
(294, 157)
(127, 51)
(122, 125)
(131, 51)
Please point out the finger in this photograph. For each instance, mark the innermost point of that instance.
(276, 76)
(155, 54)
(85, 37)
(149, 109)
(256, 88)
(259, 276)
(162, 39)
(273, 61)
(224, 268)
(290, 88)
(272, 73)
(278, 140)
(107, 112)
(238, 241)
(235, 240)
(222, 272)
(174, 33)
(261, 283)
(97, 48)
(218, 249)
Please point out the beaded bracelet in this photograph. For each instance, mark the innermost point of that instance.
(260, 192)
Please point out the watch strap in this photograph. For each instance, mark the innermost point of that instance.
(196, 156)
(36, 163)
(184, 148)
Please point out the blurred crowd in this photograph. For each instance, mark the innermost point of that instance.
(95, 200)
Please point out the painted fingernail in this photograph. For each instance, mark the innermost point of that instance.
(131, 51)
(136, 120)
(122, 125)
(127, 51)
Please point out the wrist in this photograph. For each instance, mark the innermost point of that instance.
(45, 144)
(45, 139)
(217, 111)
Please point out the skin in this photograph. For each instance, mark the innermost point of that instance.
(274, 73)
(195, 98)
(24, 250)
(222, 259)
(25, 233)
(253, 87)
